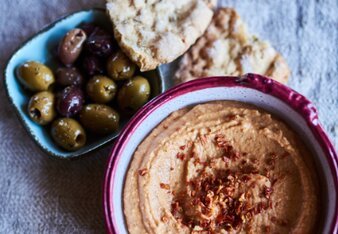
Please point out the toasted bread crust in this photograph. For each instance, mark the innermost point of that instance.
(158, 31)
(226, 48)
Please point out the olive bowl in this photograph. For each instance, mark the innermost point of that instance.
(41, 48)
(293, 108)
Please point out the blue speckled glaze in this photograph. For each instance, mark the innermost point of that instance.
(40, 48)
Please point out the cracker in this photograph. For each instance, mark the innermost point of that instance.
(154, 32)
(226, 48)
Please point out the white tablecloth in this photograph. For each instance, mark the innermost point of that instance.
(42, 195)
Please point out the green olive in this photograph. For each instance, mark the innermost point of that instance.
(101, 89)
(119, 66)
(99, 119)
(35, 76)
(133, 94)
(41, 107)
(68, 134)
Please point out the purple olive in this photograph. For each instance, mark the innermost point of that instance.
(100, 43)
(92, 66)
(88, 28)
(70, 46)
(69, 101)
(67, 76)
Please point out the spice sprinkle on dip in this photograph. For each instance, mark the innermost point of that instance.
(221, 167)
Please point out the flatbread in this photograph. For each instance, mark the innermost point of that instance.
(226, 48)
(154, 32)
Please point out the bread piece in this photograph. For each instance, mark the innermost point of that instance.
(226, 48)
(153, 32)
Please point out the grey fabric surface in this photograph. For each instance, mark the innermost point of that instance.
(42, 195)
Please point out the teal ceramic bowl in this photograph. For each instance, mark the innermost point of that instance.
(40, 48)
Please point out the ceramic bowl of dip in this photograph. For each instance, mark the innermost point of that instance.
(285, 103)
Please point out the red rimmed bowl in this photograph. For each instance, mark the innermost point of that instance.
(263, 92)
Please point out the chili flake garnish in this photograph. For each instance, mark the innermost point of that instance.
(164, 186)
(267, 192)
(210, 193)
(227, 148)
(180, 155)
(182, 147)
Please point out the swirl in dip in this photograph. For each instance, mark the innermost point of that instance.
(221, 167)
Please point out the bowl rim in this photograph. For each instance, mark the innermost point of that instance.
(263, 84)
(75, 154)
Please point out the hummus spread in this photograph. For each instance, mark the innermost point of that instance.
(221, 167)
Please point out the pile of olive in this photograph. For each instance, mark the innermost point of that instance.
(94, 83)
